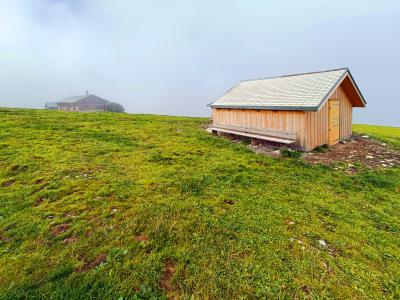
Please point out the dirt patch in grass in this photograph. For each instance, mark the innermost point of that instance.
(168, 273)
(14, 168)
(358, 150)
(101, 258)
(305, 289)
(114, 209)
(38, 181)
(94, 220)
(239, 255)
(17, 169)
(4, 239)
(265, 148)
(8, 183)
(142, 238)
(39, 201)
(70, 240)
(57, 230)
(229, 202)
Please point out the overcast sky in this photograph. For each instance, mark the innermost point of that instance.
(174, 57)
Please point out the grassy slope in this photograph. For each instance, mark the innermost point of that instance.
(387, 134)
(169, 179)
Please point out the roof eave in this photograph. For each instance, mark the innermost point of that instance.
(338, 83)
(357, 88)
(256, 107)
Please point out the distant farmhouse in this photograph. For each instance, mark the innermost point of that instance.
(84, 103)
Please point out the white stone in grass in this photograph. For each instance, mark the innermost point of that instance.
(322, 243)
(365, 136)
(291, 223)
(369, 156)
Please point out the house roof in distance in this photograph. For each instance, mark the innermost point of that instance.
(306, 91)
(74, 99)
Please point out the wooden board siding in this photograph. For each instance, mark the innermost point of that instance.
(287, 120)
(317, 123)
(346, 112)
(316, 128)
(333, 122)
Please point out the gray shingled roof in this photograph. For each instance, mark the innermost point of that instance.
(305, 91)
(72, 99)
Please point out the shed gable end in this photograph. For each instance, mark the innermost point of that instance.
(347, 86)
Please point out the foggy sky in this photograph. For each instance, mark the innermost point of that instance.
(174, 57)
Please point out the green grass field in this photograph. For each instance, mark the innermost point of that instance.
(137, 191)
(387, 134)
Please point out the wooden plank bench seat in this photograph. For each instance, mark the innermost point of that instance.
(267, 134)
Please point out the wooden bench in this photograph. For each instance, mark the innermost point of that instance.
(268, 134)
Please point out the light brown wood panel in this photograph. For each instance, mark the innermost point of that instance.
(346, 112)
(316, 128)
(287, 120)
(334, 121)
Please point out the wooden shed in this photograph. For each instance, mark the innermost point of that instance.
(302, 110)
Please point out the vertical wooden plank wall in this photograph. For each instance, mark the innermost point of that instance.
(288, 120)
(317, 123)
(316, 128)
(346, 112)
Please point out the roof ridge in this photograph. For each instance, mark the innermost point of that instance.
(297, 74)
(74, 96)
(72, 99)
